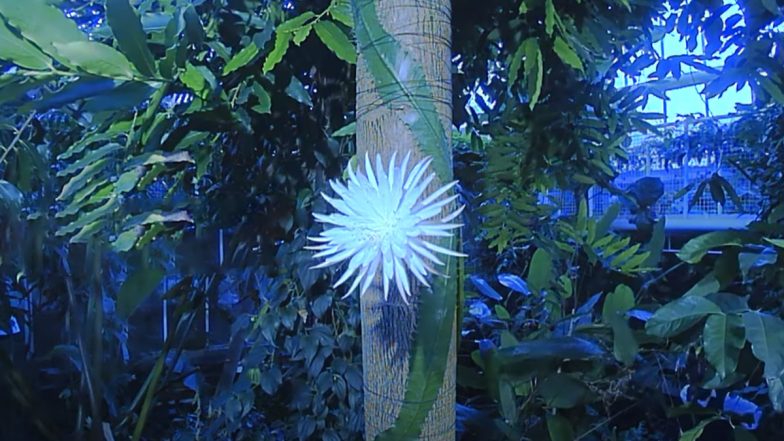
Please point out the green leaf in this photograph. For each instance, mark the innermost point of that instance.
(562, 391)
(694, 250)
(96, 59)
(540, 271)
(723, 338)
(616, 305)
(265, 103)
(130, 36)
(656, 244)
(80, 180)
(553, 349)
(567, 54)
(336, 40)
(194, 78)
(296, 90)
(283, 37)
(127, 239)
(534, 71)
(774, 89)
(695, 433)
(707, 285)
(680, 315)
(90, 157)
(241, 58)
(340, 10)
(282, 42)
(502, 313)
(42, 24)
(607, 219)
(766, 335)
(349, 129)
(21, 52)
(140, 284)
(559, 427)
(777, 242)
(549, 16)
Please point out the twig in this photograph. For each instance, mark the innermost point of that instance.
(16, 138)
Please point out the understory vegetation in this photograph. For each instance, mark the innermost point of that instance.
(157, 185)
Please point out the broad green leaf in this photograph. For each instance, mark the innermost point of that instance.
(241, 58)
(140, 284)
(559, 427)
(42, 24)
(336, 40)
(730, 303)
(562, 391)
(766, 335)
(694, 250)
(96, 59)
(549, 349)
(723, 338)
(21, 52)
(130, 36)
(540, 271)
(195, 80)
(680, 315)
(707, 285)
(567, 54)
(340, 10)
(616, 305)
(296, 90)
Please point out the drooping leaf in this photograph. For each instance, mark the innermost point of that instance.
(140, 284)
(96, 59)
(484, 288)
(336, 40)
(694, 250)
(563, 391)
(241, 58)
(540, 271)
(616, 305)
(21, 52)
(766, 335)
(28, 17)
(534, 71)
(724, 338)
(10, 196)
(349, 129)
(679, 315)
(130, 36)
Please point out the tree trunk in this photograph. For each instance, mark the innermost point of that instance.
(422, 30)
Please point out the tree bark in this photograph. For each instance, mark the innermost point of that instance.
(423, 30)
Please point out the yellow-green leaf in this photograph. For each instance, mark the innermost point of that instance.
(567, 54)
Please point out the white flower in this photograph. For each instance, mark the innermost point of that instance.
(381, 224)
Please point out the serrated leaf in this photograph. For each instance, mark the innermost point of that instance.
(336, 40)
(21, 52)
(282, 42)
(130, 36)
(567, 54)
(340, 10)
(96, 59)
(241, 58)
(80, 180)
(680, 315)
(28, 17)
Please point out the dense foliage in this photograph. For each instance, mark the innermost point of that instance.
(181, 146)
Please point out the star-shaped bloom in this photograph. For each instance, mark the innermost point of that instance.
(383, 223)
